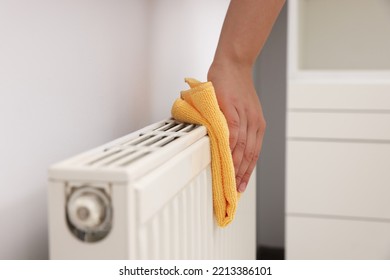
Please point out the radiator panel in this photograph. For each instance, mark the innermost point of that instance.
(164, 211)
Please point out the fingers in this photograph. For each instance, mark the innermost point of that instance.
(233, 122)
(246, 134)
(247, 157)
(239, 149)
(248, 171)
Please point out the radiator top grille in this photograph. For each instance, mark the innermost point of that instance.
(136, 146)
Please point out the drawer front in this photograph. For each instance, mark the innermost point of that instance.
(338, 178)
(343, 96)
(316, 238)
(360, 126)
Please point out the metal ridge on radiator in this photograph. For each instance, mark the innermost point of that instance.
(138, 152)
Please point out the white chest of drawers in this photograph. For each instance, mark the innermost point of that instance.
(338, 130)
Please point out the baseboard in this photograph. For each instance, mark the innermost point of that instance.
(269, 253)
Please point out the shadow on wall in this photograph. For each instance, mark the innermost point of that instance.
(270, 80)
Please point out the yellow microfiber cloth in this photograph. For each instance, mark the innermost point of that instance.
(199, 105)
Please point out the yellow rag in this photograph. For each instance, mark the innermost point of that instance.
(199, 105)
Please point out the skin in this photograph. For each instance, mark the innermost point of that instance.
(245, 30)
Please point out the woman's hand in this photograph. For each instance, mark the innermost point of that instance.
(239, 103)
(244, 32)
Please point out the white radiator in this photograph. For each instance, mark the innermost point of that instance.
(147, 195)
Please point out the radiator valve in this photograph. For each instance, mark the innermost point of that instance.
(89, 213)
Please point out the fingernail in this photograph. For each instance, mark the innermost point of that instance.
(242, 187)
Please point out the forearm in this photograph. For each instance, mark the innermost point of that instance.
(245, 30)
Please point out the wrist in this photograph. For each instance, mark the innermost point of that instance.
(227, 59)
(222, 67)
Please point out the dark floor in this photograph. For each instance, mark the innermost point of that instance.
(269, 253)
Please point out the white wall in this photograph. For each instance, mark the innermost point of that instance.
(72, 76)
(75, 74)
(184, 36)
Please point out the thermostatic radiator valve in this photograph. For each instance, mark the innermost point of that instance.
(89, 213)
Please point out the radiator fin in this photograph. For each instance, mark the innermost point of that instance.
(183, 229)
(138, 146)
